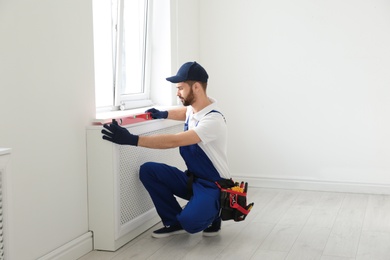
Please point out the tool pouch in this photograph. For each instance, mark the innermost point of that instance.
(233, 200)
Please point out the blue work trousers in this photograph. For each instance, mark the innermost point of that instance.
(163, 182)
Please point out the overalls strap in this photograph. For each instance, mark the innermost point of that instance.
(202, 159)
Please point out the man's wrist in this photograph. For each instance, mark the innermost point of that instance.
(134, 140)
(164, 114)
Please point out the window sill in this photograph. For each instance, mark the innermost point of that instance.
(105, 117)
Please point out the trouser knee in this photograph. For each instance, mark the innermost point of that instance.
(145, 171)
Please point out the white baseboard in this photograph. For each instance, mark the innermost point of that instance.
(72, 250)
(315, 185)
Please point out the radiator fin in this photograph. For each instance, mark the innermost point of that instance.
(1, 219)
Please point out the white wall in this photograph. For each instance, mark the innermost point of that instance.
(304, 85)
(185, 24)
(160, 42)
(46, 101)
(175, 40)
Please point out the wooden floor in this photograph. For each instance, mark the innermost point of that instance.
(284, 224)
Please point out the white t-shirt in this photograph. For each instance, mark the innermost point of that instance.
(212, 131)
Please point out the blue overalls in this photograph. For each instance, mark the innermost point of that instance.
(163, 182)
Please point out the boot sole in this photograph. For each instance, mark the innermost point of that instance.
(162, 235)
(211, 234)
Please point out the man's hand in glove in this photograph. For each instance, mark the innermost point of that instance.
(157, 114)
(118, 134)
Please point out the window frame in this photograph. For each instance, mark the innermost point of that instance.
(122, 100)
(108, 36)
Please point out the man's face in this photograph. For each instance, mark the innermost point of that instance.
(185, 93)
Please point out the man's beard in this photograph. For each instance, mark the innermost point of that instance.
(189, 100)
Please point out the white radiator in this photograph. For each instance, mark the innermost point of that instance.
(119, 206)
(4, 253)
(1, 218)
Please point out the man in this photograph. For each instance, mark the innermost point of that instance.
(203, 148)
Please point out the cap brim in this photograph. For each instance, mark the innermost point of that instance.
(175, 79)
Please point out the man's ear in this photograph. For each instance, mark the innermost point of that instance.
(197, 86)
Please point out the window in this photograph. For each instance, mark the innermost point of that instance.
(120, 36)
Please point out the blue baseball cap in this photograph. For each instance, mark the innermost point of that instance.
(190, 71)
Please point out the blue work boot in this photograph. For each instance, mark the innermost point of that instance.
(168, 231)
